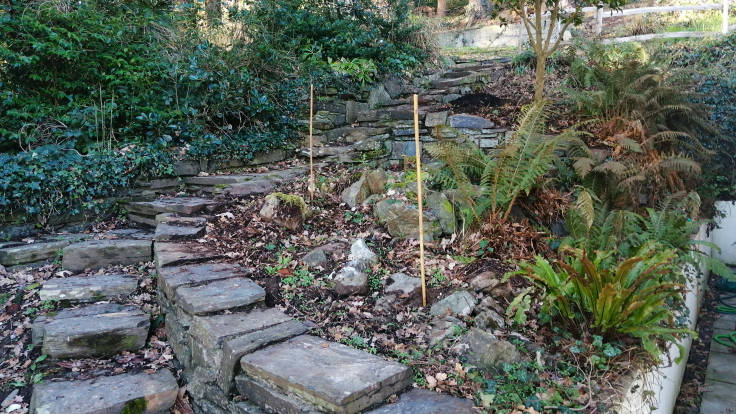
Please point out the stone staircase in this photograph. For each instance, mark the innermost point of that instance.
(237, 355)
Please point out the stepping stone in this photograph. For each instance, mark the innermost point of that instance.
(219, 296)
(332, 377)
(171, 278)
(95, 254)
(175, 254)
(250, 188)
(177, 220)
(30, 253)
(96, 330)
(127, 393)
(182, 205)
(420, 401)
(220, 341)
(88, 288)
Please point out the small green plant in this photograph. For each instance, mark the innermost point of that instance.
(282, 262)
(301, 277)
(437, 278)
(634, 297)
(354, 216)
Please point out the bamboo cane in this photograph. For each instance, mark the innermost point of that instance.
(311, 186)
(419, 199)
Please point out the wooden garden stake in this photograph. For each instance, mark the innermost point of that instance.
(419, 199)
(311, 144)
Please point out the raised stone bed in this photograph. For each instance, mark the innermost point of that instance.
(96, 330)
(127, 393)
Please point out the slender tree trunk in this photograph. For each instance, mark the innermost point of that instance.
(541, 74)
(441, 8)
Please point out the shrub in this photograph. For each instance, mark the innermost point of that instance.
(633, 297)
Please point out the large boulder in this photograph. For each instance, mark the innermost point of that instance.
(376, 181)
(402, 220)
(287, 210)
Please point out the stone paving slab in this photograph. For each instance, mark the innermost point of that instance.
(167, 232)
(171, 278)
(29, 253)
(725, 321)
(92, 331)
(271, 399)
(182, 205)
(101, 253)
(250, 188)
(219, 295)
(88, 288)
(721, 368)
(177, 220)
(420, 401)
(718, 398)
(129, 393)
(175, 254)
(332, 376)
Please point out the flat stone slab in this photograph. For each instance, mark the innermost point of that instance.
(175, 254)
(420, 401)
(96, 330)
(29, 253)
(718, 398)
(332, 376)
(182, 205)
(251, 188)
(171, 278)
(219, 295)
(167, 232)
(95, 254)
(139, 393)
(88, 288)
(721, 368)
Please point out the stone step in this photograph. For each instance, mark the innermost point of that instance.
(420, 401)
(219, 296)
(97, 330)
(171, 278)
(127, 393)
(310, 374)
(168, 232)
(88, 288)
(144, 212)
(176, 254)
(95, 254)
(219, 341)
(244, 184)
(31, 253)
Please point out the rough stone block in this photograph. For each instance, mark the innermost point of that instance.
(88, 288)
(272, 399)
(95, 254)
(167, 232)
(332, 376)
(96, 330)
(139, 393)
(219, 295)
(235, 348)
(209, 332)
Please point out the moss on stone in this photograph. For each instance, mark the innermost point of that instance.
(292, 200)
(137, 406)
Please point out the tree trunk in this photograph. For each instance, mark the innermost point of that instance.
(541, 73)
(475, 10)
(213, 10)
(441, 8)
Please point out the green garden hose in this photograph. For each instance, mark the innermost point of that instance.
(727, 340)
